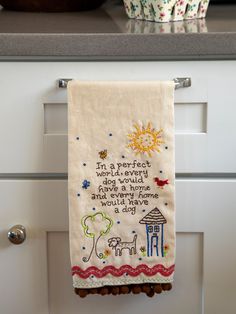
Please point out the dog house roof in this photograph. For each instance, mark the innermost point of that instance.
(154, 217)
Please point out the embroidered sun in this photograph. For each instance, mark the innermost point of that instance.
(145, 139)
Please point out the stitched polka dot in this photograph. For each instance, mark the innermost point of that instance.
(140, 258)
(166, 147)
(110, 134)
(118, 222)
(84, 164)
(133, 231)
(104, 262)
(78, 194)
(83, 248)
(144, 210)
(123, 156)
(166, 204)
(161, 171)
(77, 138)
(94, 208)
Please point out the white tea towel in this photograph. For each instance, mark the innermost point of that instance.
(121, 182)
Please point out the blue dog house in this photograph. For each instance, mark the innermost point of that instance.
(154, 222)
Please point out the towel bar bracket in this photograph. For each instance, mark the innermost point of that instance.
(180, 82)
(62, 83)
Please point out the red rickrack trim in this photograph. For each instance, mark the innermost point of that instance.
(124, 269)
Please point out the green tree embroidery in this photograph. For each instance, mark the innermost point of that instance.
(95, 226)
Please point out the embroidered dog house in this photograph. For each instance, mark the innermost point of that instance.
(154, 222)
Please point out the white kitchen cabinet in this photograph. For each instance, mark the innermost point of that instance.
(35, 276)
(33, 112)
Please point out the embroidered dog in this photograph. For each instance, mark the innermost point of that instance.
(116, 244)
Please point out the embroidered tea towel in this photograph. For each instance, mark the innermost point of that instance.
(121, 183)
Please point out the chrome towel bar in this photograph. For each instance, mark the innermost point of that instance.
(180, 82)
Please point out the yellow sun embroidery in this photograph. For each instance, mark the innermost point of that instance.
(145, 139)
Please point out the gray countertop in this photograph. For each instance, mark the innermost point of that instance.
(107, 34)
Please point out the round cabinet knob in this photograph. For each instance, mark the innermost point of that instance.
(17, 234)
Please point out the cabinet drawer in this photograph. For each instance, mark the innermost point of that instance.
(34, 113)
(40, 268)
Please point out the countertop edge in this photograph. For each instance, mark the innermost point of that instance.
(118, 46)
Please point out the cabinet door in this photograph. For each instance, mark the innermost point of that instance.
(33, 111)
(35, 276)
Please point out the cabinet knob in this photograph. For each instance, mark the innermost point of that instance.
(17, 234)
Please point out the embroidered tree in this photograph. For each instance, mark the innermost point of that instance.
(95, 226)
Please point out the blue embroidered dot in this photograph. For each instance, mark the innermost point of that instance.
(78, 194)
(110, 134)
(118, 222)
(77, 138)
(85, 184)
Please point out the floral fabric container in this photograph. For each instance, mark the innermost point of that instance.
(166, 10)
